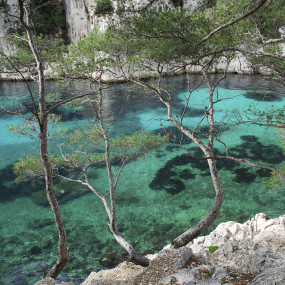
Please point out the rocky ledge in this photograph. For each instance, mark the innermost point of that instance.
(250, 253)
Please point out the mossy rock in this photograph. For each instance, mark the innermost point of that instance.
(111, 259)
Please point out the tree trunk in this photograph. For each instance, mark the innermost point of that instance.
(42, 120)
(134, 256)
(205, 222)
(62, 250)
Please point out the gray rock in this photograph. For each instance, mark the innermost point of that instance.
(272, 276)
(219, 273)
(251, 247)
(256, 247)
(51, 281)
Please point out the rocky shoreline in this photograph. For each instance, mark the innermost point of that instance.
(249, 253)
(238, 65)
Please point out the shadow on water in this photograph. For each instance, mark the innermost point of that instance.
(178, 207)
(263, 96)
(9, 190)
(171, 178)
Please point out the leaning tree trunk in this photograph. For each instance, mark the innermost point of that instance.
(204, 223)
(213, 213)
(134, 256)
(42, 118)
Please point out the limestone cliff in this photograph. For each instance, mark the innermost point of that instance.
(81, 17)
(8, 24)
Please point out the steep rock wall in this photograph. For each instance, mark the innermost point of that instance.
(7, 23)
(81, 17)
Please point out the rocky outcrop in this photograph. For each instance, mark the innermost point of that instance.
(8, 24)
(51, 281)
(250, 253)
(252, 247)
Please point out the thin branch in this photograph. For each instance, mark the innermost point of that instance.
(258, 165)
(232, 22)
(28, 87)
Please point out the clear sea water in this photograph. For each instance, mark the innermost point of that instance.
(158, 197)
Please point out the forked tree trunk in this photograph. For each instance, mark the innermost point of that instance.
(134, 256)
(42, 118)
(111, 210)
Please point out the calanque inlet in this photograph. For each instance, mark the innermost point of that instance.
(142, 142)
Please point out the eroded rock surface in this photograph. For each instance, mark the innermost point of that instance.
(51, 281)
(250, 253)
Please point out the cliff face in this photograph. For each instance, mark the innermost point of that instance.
(8, 24)
(78, 18)
(81, 17)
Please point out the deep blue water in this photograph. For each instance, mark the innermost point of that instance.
(158, 197)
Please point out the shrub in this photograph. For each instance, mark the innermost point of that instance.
(104, 7)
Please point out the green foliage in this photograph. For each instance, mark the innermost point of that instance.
(212, 249)
(162, 36)
(139, 144)
(83, 57)
(50, 18)
(31, 167)
(270, 20)
(104, 7)
(274, 182)
(85, 146)
(51, 51)
(271, 117)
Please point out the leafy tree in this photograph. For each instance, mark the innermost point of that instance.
(30, 61)
(82, 149)
(160, 40)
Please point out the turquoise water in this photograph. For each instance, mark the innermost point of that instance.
(158, 197)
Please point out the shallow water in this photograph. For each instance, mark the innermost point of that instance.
(158, 196)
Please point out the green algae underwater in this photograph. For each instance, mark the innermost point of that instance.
(158, 196)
